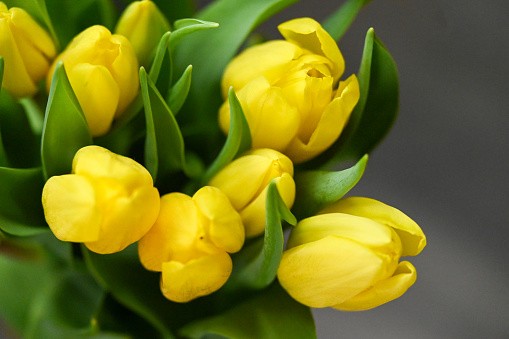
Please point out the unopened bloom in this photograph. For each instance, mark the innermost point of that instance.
(108, 202)
(347, 257)
(103, 72)
(143, 24)
(245, 181)
(27, 50)
(289, 91)
(190, 242)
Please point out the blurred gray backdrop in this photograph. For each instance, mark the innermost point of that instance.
(445, 163)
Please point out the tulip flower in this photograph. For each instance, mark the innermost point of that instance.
(190, 241)
(27, 50)
(245, 181)
(103, 72)
(143, 24)
(107, 203)
(347, 257)
(289, 91)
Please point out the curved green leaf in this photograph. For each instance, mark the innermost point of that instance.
(21, 210)
(164, 145)
(238, 140)
(178, 93)
(268, 314)
(317, 189)
(65, 128)
(338, 22)
(184, 27)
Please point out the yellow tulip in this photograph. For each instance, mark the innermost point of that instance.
(289, 91)
(347, 257)
(108, 202)
(245, 181)
(27, 50)
(103, 72)
(143, 24)
(190, 242)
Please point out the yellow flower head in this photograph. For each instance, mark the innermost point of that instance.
(245, 181)
(143, 24)
(103, 72)
(289, 91)
(190, 242)
(108, 202)
(347, 257)
(27, 50)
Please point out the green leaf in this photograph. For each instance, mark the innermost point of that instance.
(164, 145)
(269, 314)
(185, 27)
(34, 114)
(317, 189)
(255, 267)
(65, 128)
(338, 22)
(238, 140)
(376, 110)
(178, 93)
(21, 210)
(176, 9)
(209, 52)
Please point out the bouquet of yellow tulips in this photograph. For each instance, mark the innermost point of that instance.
(149, 171)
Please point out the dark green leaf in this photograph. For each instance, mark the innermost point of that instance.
(65, 128)
(376, 110)
(268, 314)
(176, 9)
(317, 189)
(34, 114)
(178, 93)
(164, 146)
(21, 211)
(338, 22)
(238, 140)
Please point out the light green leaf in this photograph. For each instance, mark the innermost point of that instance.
(34, 114)
(178, 93)
(65, 128)
(317, 189)
(164, 146)
(338, 22)
(185, 27)
(238, 140)
(21, 212)
(376, 110)
(268, 314)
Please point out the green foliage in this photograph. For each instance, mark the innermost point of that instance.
(178, 93)
(317, 189)
(65, 128)
(338, 22)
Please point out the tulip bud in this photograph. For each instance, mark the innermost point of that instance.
(190, 242)
(103, 72)
(245, 181)
(289, 91)
(108, 202)
(143, 24)
(27, 50)
(347, 256)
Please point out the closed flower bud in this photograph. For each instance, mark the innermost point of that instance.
(143, 25)
(347, 257)
(190, 242)
(245, 181)
(108, 202)
(103, 72)
(27, 50)
(289, 91)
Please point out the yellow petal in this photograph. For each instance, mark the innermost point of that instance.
(330, 125)
(97, 93)
(270, 60)
(328, 271)
(70, 208)
(182, 282)
(308, 34)
(383, 291)
(223, 223)
(280, 162)
(411, 235)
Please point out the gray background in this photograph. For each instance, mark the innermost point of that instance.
(444, 164)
